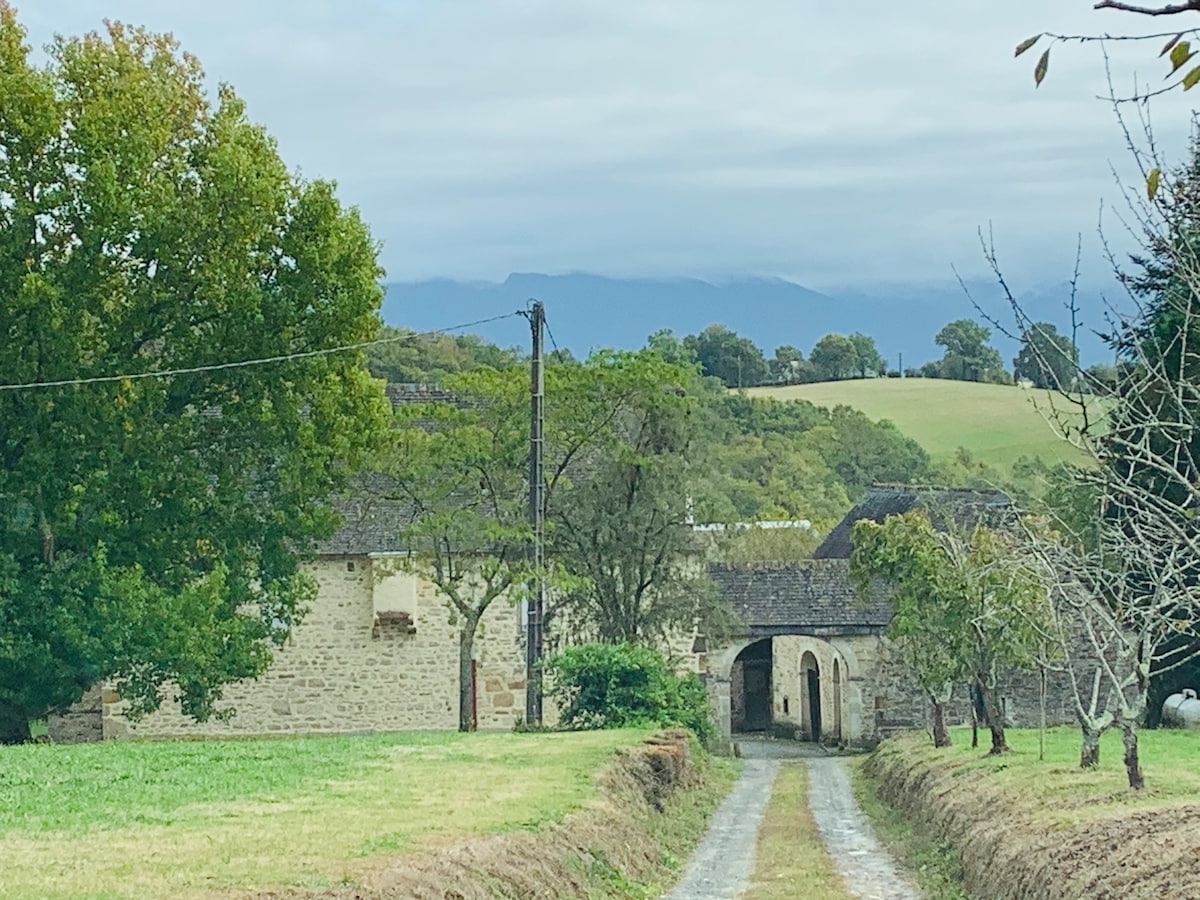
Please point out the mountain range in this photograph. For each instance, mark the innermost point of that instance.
(585, 311)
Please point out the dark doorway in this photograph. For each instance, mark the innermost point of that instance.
(758, 695)
(752, 691)
(814, 707)
(810, 686)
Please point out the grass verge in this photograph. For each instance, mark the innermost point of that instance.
(929, 857)
(180, 819)
(653, 805)
(1035, 828)
(791, 861)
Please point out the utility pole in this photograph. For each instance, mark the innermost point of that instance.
(537, 519)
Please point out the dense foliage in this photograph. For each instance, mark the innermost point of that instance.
(150, 527)
(614, 685)
(964, 606)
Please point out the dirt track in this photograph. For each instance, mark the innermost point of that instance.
(724, 862)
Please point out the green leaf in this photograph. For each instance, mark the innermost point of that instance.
(1180, 54)
(1153, 178)
(1027, 43)
(1039, 71)
(1190, 79)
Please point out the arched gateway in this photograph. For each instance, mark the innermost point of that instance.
(799, 667)
(812, 660)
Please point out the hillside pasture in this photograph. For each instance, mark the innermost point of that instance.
(998, 424)
(189, 819)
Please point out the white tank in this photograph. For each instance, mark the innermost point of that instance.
(1182, 709)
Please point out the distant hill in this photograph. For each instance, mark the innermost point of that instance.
(997, 423)
(589, 311)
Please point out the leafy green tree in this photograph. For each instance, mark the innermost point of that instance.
(868, 359)
(789, 366)
(771, 477)
(460, 470)
(151, 528)
(671, 348)
(407, 357)
(724, 354)
(625, 530)
(968, 356)
(964, 606)
(864, 453)
(1047, 358)
(834, 357)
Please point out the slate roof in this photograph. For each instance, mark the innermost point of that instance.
(966, 507)
(372, 523)
(811, 597)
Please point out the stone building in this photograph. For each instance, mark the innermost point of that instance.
(379, 650)
(814, 660)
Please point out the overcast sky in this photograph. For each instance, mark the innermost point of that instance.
(833, 143)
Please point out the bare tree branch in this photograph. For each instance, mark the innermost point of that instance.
(1171, 9)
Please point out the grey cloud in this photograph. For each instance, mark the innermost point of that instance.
(824, 141)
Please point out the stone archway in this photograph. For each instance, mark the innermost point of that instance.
(750, 688)
(788, 684)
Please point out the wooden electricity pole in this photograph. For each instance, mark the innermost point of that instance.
(537, 519)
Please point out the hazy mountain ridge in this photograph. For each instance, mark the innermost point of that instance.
(588, 311)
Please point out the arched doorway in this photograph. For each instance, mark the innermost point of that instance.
(810, 685)
(750, 688)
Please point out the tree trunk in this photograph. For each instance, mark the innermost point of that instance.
(14, 725)
(1089, 751)
(941, 737)
(1133, 768)
(995, 718)
(976, 713)
(466, 681)
(1042, 713)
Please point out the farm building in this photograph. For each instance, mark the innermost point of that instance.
(379, 651)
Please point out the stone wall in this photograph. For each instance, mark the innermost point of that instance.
(897, 701)
(81, 724)
(343, 671)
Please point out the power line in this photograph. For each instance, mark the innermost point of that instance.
(550, 334)
(241, 364)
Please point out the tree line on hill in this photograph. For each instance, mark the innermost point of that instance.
(1047, 358)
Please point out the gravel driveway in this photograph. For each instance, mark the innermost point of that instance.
(723, 863)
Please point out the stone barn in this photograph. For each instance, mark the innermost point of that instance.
(378, 651)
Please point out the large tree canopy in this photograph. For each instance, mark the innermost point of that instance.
(1047, 358)
(968, 355)
(150, 527)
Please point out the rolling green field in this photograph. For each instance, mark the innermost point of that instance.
(998, 424)
(180, 819)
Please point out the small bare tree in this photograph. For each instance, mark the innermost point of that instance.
(1127, 572)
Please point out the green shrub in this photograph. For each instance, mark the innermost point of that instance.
(614, 685)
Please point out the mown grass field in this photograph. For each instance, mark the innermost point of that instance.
(998, 424)
(180, 819)
(1060, 793)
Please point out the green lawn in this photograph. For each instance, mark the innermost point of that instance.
(158, 819)
(997, 423)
